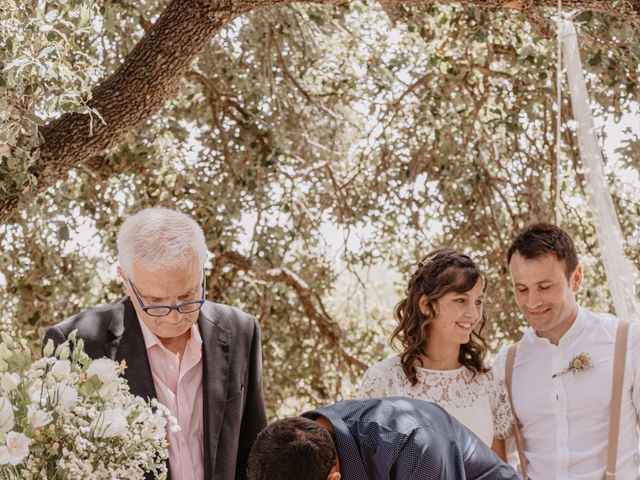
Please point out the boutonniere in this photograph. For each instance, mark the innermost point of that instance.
(579, 363)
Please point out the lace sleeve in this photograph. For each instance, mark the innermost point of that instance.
(377, 382)
(501, 409)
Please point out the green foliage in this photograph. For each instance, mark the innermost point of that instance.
(44, 71)
(298, 121)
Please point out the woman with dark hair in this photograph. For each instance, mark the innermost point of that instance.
(439, 326)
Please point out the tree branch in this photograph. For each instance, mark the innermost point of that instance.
(308, 298)
(395, 11)
(151, 73)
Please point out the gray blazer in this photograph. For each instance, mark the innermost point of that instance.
(234, 410)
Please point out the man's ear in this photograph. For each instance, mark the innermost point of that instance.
(334, 473)
(123, 276)
(576, 279)
(125, 280)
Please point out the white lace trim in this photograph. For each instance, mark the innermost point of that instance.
(454, 390)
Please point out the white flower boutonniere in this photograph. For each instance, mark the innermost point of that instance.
(579, 363)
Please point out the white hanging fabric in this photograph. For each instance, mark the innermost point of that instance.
(621, 272)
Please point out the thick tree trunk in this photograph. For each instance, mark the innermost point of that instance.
(151, 73)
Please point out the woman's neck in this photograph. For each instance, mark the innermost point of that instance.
(441, 356)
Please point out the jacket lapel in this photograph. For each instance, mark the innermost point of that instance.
(128, 345)
(215, 352)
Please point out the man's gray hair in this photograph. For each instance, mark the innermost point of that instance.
(159, 238)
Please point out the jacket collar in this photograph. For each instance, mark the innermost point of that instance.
(128, 345)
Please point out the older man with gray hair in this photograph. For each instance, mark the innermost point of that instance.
(200, 359)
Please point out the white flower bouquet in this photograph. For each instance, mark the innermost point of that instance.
(66, 416)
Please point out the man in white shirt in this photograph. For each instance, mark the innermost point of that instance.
(564, 412)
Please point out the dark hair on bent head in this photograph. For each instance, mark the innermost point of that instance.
(441, 271)
(293, 448)
(542, 239)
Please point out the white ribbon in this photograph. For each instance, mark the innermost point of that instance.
(620, 271)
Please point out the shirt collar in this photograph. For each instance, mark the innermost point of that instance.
(577, 327)
(574, 330)
(151, 339)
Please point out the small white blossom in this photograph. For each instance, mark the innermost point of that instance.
(155, 428)
(104, 369)
(43, 363)
(66, 396)
(112, 423)
(61, 370)
(174, 426)
(38, 418)
(9, 381)
(108, 390)
(16, 448)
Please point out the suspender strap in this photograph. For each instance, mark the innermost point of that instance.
(508, 375)
(619, 358)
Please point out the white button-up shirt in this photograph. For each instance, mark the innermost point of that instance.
(565, 420)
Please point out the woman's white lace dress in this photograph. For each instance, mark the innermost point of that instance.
(479, 402)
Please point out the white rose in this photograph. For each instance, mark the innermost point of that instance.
(9, 381)
(61, 370)
(38, 418)
(42, 364)
(112, 423)
(6, 414)
(108, 390)
(65, 396)
(104, 369)
(16, 449)
(155, 428)
(69, 397)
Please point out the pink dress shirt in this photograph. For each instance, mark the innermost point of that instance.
(179, 387)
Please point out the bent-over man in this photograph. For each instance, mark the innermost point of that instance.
(393, 438)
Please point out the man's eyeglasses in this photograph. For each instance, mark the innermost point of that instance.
(164, 310)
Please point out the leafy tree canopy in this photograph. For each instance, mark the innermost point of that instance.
(403, 127)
